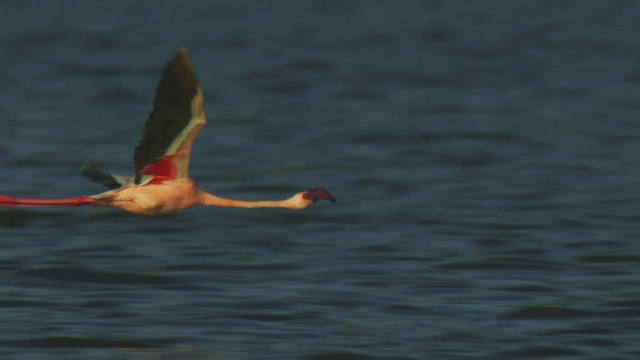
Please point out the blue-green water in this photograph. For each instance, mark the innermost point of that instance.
(484, 156)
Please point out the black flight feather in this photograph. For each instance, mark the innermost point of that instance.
(171, 111)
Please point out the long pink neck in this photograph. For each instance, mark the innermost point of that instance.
(212, 200)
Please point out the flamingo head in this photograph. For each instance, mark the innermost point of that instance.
(309, 197)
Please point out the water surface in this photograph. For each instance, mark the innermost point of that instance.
(484, 158)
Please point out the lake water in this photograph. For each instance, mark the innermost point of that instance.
(484, 156)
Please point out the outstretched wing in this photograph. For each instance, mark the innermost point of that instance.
(175, 121)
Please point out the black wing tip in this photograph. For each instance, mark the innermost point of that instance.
(182, 55)
(181, 58)
(91, 172)
(183, 51)
(181, 62)
(178, 79)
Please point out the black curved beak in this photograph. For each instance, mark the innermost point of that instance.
(318, 194)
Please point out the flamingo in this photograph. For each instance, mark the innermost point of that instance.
(160, 183)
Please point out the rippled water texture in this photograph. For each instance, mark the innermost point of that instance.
(483, 154)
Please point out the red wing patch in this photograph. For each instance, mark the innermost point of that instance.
(165, 168)
(157, 180)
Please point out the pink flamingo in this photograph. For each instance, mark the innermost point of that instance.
(161, 182)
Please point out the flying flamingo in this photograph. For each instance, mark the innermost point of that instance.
(161, 182)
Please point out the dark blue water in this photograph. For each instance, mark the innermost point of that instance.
(484, 156)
